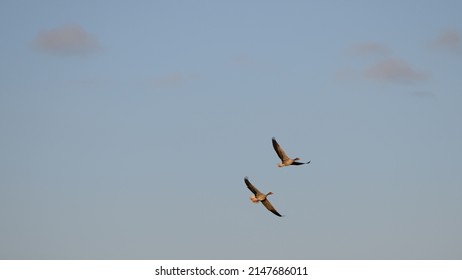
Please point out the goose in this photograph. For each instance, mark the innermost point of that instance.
(260, 197)
(285, 160)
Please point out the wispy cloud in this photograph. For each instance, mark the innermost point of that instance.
(69, 40)
(395, 71)
(448, 40)
(369, 49)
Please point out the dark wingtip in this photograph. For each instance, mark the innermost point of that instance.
(277, 213)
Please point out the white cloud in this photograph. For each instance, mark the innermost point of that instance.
(394, 70)
(71, 39)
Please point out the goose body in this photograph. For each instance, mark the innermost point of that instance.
(260, 197)
(285, 160)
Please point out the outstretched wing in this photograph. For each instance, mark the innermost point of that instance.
(251, 187)
(300, 163)
(281, 154)
(270, 207)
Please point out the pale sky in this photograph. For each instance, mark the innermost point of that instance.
(127, 129)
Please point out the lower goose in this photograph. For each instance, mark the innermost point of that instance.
(260, 197)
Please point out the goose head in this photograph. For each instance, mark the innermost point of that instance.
(270, 193)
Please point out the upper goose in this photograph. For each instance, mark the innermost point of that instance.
(260, 197)
(285, 160)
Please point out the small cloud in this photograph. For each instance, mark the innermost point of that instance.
(369, 49)
(449, 40)
(71, 40)
(394, 70)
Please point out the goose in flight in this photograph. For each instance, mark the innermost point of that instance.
(260, 197)
(285, 160)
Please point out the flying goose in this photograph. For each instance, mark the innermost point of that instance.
(260, 197)
(285, 160)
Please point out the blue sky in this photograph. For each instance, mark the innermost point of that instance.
(127, 129)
